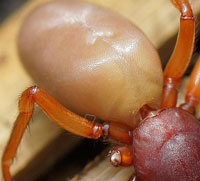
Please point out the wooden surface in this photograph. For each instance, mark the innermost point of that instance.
(159, 21)
(101, 169)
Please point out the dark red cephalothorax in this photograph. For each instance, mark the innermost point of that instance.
(166, 146)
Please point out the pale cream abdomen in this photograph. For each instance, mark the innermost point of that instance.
(91, 59)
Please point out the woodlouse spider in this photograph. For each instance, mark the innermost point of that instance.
(164, 144)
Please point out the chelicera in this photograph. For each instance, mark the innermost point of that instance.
(163, 145)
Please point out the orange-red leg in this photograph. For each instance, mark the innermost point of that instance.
(181, 56)
(146, 110)
(121, 156)
(193, 92)
(134, 178)
(63, 117)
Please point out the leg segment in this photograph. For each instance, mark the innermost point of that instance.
(146, 111)
(181, 56)
(121, 157)
(134, 178)
(63, 117)
(193, 93)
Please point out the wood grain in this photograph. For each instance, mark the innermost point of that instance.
(159, 21)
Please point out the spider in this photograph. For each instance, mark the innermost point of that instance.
(162, 143)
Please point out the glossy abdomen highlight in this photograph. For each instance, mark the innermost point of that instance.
(91, 59)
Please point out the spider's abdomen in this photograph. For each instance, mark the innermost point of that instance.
(166, 147)
(91, 60)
